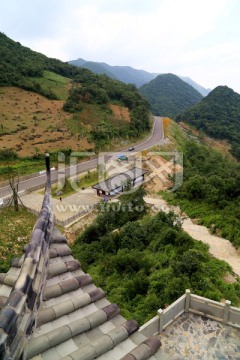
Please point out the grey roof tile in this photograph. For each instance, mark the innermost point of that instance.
(3, 300)
(94, 334)
(67, 306)
(79, 326)
(51, 354)
(57, 237)
(52, 291)
(5, 290)
(43, 329)
(66, 331)
(7, 279)
(45, 315)
(66, 286)
(144, 350)
(104, 343)
(76, 320)
(59, 250)
(59, 335)
(64, 297)
(56, 269)
(118, 334)
(37, 347)
(85, 353)
(106, 327)
(90, 287)
(81, 339)
(63, 308)
(16, 262)
(69, 285)
(67, 347)
(86, 310)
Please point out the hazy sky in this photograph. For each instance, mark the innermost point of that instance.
(195, 38)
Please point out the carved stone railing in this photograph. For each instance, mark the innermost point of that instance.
(17, 318)
(224, 313)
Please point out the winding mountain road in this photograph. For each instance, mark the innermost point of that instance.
(34, 182)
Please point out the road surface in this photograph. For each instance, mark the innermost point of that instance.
(154, 139)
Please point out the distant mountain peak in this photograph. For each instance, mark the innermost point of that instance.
(129, 75)
(168, 95)
(218, 116)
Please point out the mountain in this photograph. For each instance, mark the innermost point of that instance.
(168, 95)
(22, 67)
(218, 115)
(61, 105)
(126, 74)
(130, 75)
(203, 91)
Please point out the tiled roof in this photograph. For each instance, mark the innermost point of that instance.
(118, 180)
(51, 309)
(75, 319)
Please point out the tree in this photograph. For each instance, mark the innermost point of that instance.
(13, 180)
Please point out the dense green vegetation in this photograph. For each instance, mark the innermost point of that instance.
(211, 185)
(168, 95)
(145, 262)
(11, 162)
(41, 74)
(218, 115)
(101, 90)
(129, 75)
(30, 67)
(15, 228)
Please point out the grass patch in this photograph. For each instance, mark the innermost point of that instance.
(21, 167)
(15, 229)
(58, 84)
(83, 181)
(76, 126)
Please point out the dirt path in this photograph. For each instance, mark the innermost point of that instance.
(220, 248)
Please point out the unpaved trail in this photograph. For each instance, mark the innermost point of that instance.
(220, 248)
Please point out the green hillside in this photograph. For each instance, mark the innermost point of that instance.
(130, 75)
(210, 192)
(218, 115)
(168, 95)
(144, 262)
(23, 67)
(82, 91)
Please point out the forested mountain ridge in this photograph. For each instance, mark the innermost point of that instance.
(130, 75)
(168, 95)
(90, 100)
(126, 74)
(218, 115)
(20, 66)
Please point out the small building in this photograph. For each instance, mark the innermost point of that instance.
(117, 183)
